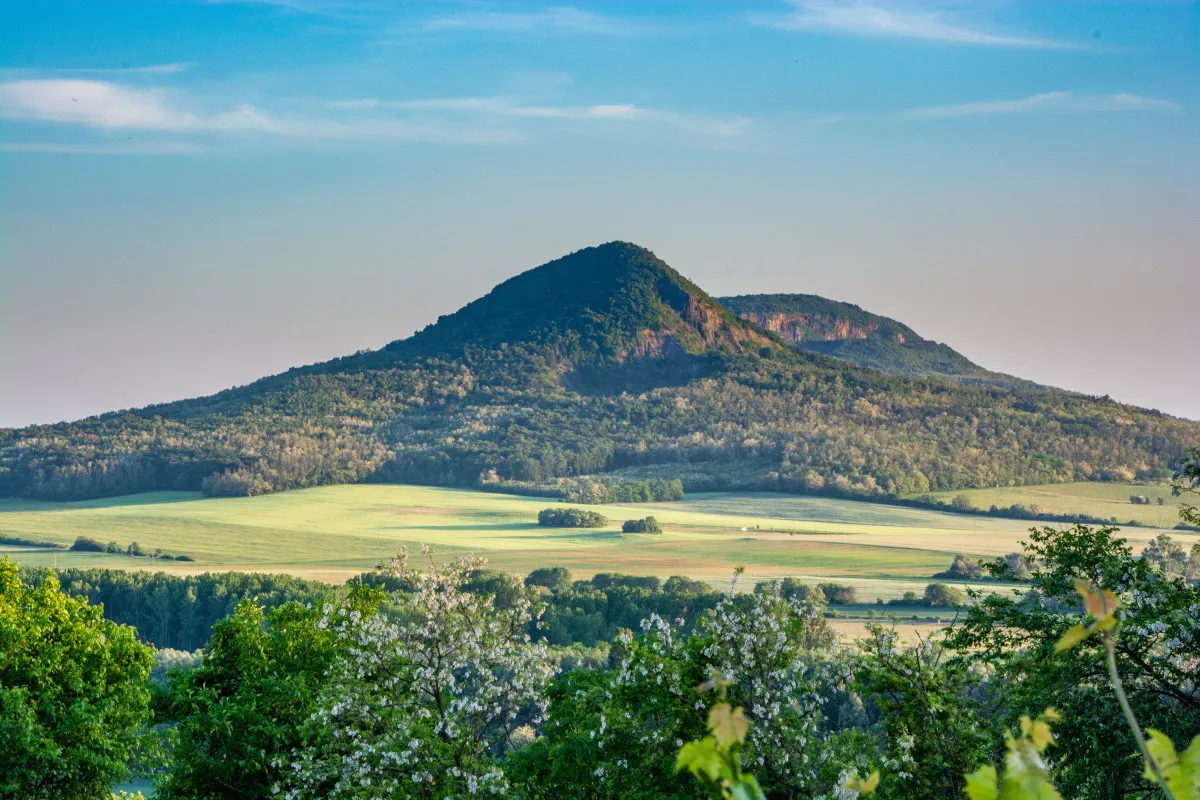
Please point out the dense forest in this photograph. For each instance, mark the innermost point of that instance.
(601, 366)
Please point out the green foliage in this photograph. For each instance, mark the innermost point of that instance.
(571, 518)
(838, 594)
(939, 595)
(22, 541)
(556, 579)
(593, 490)
(73, 696)
(1018, 637)
(178, 611)
(1180, 771)
(84, 544)
(1026, 776)
(1167, 556)
(962, 569)
(934, 723)
(716, 760)
(1185, 481)
(647, 525)
(241, 710)
(422, 700)
(607, 729)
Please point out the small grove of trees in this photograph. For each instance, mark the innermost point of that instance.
(571, 518)
(647, 525)
(73, 693)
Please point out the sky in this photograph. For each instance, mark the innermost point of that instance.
(197, 194)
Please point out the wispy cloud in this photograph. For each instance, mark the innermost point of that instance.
(102, 104)
(558, 19)
(111, 108)
(509, 107)
(1052, 102)
(894, 22)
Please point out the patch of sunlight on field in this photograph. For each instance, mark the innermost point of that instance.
(850, 630)
(1103, 500)
(334, 532)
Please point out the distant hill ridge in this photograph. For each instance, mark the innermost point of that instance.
(608, 364)
(846, 331)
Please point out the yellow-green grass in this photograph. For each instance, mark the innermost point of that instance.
(332, 533)
(1103, 500)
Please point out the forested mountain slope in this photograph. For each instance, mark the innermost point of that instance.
(602, 360)
(846, 331)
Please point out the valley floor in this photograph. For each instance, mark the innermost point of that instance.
(332, 533)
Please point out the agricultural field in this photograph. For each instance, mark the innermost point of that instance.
(1103, 500)
(332, 533)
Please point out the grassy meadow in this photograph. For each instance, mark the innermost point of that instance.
(332, 533)
(1104, 500)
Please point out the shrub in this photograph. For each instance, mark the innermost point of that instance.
(939, 595)
(134, 549)
(962, 568)
(113, 547)
(647, 525)
(570, 518)
(839, 594)
(85, 545)
(184, 558)
(962, 503)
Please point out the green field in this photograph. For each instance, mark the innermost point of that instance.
(332, 533)
(1103, 500)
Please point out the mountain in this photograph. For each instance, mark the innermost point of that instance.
(614, 315)
(605, 365)
(846, 331)
(605, 304)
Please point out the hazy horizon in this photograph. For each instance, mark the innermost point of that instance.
(197, 195)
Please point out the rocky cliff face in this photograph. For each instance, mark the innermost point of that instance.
(797, 328)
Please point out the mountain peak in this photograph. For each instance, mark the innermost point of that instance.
(605, 305)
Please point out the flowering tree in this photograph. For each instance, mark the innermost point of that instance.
(425, 696)
(934, 729)
(611, 734)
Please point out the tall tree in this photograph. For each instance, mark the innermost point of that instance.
(73, 693)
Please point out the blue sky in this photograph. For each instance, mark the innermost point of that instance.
(193, 195)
